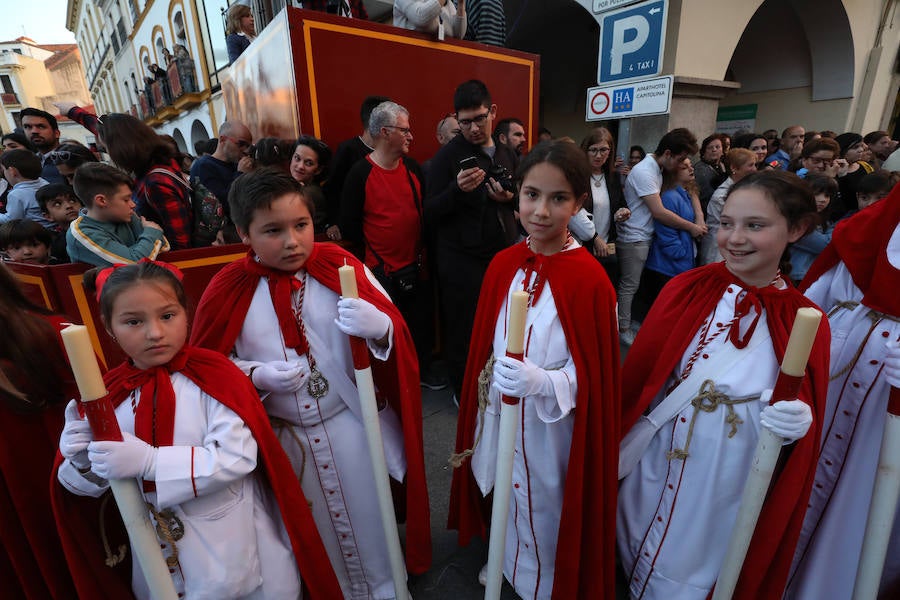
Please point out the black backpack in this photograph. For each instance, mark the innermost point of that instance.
(207, 212)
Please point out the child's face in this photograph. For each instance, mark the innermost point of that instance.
(546, 203)
(864, 200)
(753, 235)
(63, 209)
(282, 236)
(118, 207)
(32, 252)
(822, 202)
(149, 323)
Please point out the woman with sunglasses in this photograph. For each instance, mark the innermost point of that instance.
(69, 157)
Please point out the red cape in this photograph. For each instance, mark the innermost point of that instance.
(860, 242)
(670, 326)
(220, 318)
(77, 518)
(29, 539)
(585, 301)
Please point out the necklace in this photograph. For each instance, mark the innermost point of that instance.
(598, 179)
(316, 385)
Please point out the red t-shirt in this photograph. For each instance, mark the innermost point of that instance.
(391, 217)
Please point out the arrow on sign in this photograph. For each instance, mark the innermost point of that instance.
(653, 11)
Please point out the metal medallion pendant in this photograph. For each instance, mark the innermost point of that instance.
(316, 385)
(168, 520)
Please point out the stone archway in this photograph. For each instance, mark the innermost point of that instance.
(198, 132)
(795, 61)
(179, 139)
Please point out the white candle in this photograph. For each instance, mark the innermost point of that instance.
(348, 281)
(518, 309)
(84, 362)
(803, 334)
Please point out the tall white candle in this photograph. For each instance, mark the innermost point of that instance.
(84, 362)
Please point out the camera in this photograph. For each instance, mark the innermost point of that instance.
(501, 175)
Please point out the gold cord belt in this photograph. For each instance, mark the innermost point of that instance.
(708, 400)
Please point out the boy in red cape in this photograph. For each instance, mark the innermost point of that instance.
(278, 313)
(561, 527)
(855, 280)
(717, 335)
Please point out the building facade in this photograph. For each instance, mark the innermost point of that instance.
(38, 75)
(159, 60)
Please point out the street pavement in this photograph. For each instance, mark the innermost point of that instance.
(454, 571)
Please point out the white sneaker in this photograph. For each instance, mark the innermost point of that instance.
(627, 337)
(482, 575)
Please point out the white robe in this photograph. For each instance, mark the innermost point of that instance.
(332, 454)
(675, 517)
(541, 454)
(234, 543)
(831, 540)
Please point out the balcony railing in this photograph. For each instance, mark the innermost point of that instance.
(174, 90)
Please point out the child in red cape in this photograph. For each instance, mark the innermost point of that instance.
(560, 533)
(35, 382)
(855, 280)
(279, 315)
(711, 346)
(194, 434)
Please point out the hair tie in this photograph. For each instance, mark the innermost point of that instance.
(167, 266)
(103, 275)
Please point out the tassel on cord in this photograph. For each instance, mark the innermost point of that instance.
(484, 389)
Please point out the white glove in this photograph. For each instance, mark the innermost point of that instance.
(892, 364)
(360, 318)
(518, 379)
(76, 435)
(280, 377)
(790, 419)
(132, 457)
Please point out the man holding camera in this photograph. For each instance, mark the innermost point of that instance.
(468, 194)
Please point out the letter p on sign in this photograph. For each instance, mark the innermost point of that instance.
(636, 24)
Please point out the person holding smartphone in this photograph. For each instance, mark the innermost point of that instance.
(464, 210)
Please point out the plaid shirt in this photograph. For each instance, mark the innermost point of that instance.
(84, 118)
(165, 200)
(357, 10)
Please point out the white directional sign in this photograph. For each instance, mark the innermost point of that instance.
(602, 5)
(648, 97)
(631, 42)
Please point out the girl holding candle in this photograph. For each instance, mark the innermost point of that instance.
(713, 342)
(194, 434)
(35, 381)
(279, 314)
(559, 540)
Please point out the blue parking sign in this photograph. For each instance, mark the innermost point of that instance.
(631, 42)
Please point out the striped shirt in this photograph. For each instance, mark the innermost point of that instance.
(487, 22)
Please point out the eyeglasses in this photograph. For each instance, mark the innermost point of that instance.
(58, 156)
(403, 130)
(477, 120)
(593, 150)
(242, 144)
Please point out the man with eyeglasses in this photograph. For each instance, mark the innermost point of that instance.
(217, 171)
(464, 205)
(382, 212)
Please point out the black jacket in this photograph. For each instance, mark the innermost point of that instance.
(466, 223)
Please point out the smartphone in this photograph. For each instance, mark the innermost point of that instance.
(468, 163)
